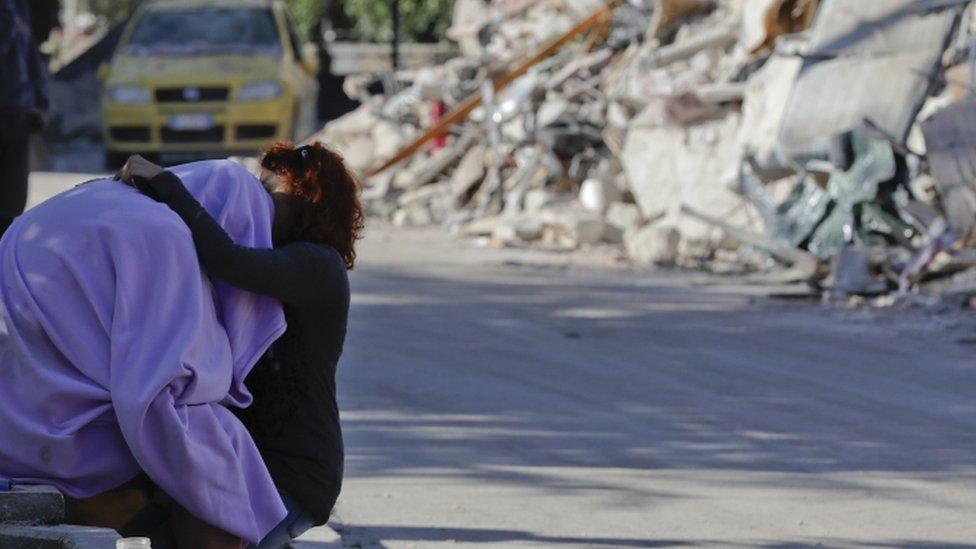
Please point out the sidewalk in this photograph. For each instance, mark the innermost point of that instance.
(321, 537)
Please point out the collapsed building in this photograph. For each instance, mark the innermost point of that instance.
(825, 141)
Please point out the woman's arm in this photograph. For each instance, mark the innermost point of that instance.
(293, 273)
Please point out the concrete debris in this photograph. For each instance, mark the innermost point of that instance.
(852, 273)
(669, 13)
(827, 141)
(763, 108)
(529, 229)
(625, 217)
(572, 229)
(854, 47)
(537, 200)
(653, 244)
(950, 139)
(596, 194)
(763, 21)
(719, 37)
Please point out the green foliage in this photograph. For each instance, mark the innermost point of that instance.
(369, 20)
(420, 20)
(372, 20)
(308, 13)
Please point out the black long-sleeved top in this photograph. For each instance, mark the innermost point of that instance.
(294, 418)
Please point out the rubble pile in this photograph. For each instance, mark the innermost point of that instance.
(826, 141)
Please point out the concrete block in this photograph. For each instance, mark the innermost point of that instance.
(583, 228)
(596, 194)
(529, 229)
(624, 216)
(653, 244)
(64, 536)
(537, 199)
(38, 504)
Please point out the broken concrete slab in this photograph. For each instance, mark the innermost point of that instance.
(413, 216)
(950, 140)
(597, 194)
(423, 195)
(357, 151)
(529, 229)
(440, 161)
(854, 46)
(669, 13)
(718, 37)
(624, 216)
(764, 106)
(574, 228)
(851, 273)
(469, 17)
(731, 113)
(387, 139)
(468, 174)
(653, 244)
(587, 64)
(551, 111)
(537, 199)
(667, 167)
(721, 92)
(763, 21)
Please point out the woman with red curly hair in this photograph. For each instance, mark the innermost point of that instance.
(318, 217)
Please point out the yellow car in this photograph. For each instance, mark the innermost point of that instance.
(207, 78)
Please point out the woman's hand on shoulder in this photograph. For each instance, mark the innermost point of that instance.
(139, 172)
(138, 167)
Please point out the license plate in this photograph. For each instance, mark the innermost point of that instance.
(191, 122)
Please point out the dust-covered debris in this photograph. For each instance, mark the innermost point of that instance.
(810, 140)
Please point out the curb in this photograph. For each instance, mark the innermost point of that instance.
(40, 504)
(63, 536)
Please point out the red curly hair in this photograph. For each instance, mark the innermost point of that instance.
(332, 212)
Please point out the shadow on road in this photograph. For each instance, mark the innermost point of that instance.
(636, 375)
(576, 384)
(485, 535)
(352, 537)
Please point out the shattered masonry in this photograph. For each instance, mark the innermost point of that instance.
(824, 141)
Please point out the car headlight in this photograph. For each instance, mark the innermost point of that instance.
(259, 91)
(127, 93)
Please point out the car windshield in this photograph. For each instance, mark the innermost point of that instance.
(204, 30)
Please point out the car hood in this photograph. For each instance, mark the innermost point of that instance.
(195, 68)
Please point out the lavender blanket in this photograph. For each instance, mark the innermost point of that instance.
(120, 354)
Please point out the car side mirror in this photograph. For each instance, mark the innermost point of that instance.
(103, 70)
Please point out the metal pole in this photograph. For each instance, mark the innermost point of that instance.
(396, 34)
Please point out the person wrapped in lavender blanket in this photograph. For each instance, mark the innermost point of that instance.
(129, 339)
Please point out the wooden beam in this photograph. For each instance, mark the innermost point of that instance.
(460, 112)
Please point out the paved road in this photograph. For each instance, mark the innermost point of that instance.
(488, 401)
